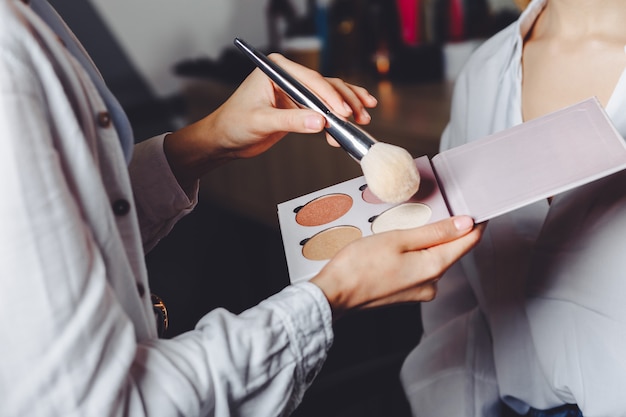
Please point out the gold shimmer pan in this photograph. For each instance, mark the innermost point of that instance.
(484, 179)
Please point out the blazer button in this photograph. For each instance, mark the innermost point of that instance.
(121, 207)
(104, 119)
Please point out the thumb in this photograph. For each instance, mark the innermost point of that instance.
(436, 233)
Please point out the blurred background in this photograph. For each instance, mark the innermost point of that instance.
(170, 63)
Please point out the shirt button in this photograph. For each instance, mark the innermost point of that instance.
(104, 119)
(121, 207)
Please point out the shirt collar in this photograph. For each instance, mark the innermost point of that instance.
(529, 16)
(523, 25)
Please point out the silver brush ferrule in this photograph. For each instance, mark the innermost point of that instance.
(354, 140)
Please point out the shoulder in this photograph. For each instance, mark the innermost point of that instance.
(14, 29)
(11, 24)
(21, 52)
(494, 55)
(487, 69)
(485, 90)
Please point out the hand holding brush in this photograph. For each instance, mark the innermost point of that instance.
(389, 170)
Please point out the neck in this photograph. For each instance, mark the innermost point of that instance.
(582, 18)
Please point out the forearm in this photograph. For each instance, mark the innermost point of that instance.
(194, 150)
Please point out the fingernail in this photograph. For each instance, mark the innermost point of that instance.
(314, 123)
(347, 107)
(463, 223)
(365, 114)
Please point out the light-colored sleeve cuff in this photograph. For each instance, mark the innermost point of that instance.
(308, 320)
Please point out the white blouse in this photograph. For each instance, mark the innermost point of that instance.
(78, 330)
(535, 314)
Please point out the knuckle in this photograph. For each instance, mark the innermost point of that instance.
(437, 266)
(428, 292)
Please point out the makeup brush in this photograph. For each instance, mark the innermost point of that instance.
(389, 170)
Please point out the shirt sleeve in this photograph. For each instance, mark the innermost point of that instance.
(258, 363)
(160, 200)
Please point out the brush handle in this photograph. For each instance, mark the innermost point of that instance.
(354, 140)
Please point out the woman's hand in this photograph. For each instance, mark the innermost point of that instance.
(396, 266)
(256, 116)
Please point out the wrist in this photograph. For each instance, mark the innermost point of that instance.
(335, 296)
(191, 153)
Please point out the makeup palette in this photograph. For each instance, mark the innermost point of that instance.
(484, 179)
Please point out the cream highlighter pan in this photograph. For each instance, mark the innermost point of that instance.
(404, 216)
(484, 179)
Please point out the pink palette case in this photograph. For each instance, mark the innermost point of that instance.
(484, 179)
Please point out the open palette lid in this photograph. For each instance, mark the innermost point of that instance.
(531, 161)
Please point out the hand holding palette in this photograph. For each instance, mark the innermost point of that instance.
(484, 179)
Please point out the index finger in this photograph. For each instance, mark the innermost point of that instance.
(316, 83)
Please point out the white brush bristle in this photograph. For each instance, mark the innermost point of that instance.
(390, 172)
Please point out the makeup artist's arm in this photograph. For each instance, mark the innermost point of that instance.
(257, 116)
(396, 266)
